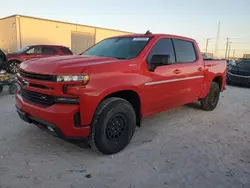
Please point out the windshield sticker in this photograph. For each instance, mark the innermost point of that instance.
(140, 39)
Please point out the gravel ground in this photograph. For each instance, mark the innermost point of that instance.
(184, 147)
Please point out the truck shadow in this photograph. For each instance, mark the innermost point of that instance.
(238, 86)
(194, 105)
(151, 127)
(4, 93)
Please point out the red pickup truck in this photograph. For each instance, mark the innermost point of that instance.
(102, 94)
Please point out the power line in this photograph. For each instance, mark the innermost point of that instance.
(229, 48)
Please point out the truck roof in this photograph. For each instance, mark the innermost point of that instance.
(156, 35)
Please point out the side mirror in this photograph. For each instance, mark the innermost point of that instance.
(158, 60)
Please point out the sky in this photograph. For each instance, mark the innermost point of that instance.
(197, 19)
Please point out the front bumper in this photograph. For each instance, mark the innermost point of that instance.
(238, 79)
(58, 118)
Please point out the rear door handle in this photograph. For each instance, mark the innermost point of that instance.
(177, 71)
(200, 69)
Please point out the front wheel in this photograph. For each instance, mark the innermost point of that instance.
(12, 67)
(113, 126)
(13, 89)
(210, 102)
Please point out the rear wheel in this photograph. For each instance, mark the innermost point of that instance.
(210, 102)
(13, 66)
(113, 126)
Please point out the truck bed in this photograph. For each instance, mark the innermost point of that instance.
(214, 68)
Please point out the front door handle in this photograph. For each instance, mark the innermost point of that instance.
(200, 69)
(177, 71)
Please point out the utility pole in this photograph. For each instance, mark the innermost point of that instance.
(217, 41)
(227, 47)
(207, 40)
(233, 53)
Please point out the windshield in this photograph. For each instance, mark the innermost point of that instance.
(22, 49)
(119, 47)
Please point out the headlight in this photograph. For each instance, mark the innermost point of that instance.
(73, 78)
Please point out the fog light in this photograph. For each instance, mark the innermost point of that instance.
(67, 100)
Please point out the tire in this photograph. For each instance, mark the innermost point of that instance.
(113, 126)
(13, 89)
(12, 66)
(1, 88)
(210, 102)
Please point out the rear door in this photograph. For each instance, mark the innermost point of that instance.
(48, 51)
(189, 68)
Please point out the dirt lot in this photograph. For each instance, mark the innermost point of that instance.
(185, 147)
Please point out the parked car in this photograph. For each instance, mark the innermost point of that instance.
(230, 63)
(239, 73)
(34, 51)
(102, 94)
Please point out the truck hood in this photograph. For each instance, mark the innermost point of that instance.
(63, 64)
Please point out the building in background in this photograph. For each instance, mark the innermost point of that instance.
(18, 31)
(246, 55)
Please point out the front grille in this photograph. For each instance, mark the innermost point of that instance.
(51, 78)
(37, 98)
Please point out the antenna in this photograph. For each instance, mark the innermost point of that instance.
(148, 32)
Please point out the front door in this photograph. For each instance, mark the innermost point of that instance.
(34, 52)
(161, 89)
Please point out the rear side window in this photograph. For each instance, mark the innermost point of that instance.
(49, 50)
(65, 50)
(163, 47)
(185, 51)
